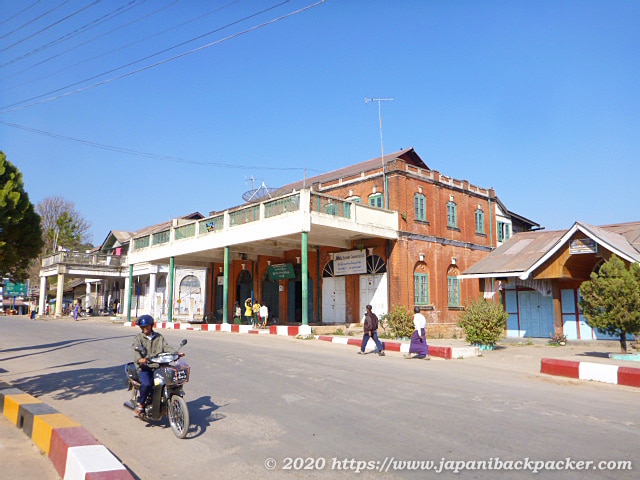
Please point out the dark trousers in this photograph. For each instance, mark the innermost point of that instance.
(146, 384)
(374, 335)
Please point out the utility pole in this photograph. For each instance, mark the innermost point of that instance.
(384, 166)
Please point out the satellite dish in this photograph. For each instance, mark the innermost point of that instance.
(258, 194)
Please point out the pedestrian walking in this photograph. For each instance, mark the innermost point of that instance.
(371, 331)
(76, 311)
(419, 337)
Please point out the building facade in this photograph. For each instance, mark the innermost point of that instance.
(386, 232)
(537, 276)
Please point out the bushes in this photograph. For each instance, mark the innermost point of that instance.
(399, 322)
(483, 322)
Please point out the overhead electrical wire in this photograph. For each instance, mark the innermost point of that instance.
(17, 15)
(33, 19)
(103, 54)
(106, 17)
(129, 151)
(16, 106)
(51, 25)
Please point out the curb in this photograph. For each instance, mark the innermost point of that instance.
(284, 330)
(598, 372)
(74, 452)
(447, 353)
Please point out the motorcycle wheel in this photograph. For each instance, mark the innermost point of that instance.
(179, 416)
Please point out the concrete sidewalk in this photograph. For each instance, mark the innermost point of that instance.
(20, 457)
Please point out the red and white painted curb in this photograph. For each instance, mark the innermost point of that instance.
(284, 330)
(599, 372)
(73, 451)
(434, 351)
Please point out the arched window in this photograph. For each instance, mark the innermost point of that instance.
(375, 264)
(453, 286)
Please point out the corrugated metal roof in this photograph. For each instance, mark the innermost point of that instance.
(408, 154)
(516, 255)
(524, 251)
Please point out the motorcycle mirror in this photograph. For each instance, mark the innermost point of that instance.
(182, 343)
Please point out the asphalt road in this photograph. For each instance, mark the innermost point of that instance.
(317, 410)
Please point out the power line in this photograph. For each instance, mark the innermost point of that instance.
(34, 19)
(106, 17)
(138, 153)
(50, 26)
(6, 20)
(7, 108)
(116, 49)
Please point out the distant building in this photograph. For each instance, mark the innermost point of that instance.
(537, 275)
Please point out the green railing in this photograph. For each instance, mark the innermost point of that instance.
(185, 231)
(211, 224)
(141, 242)
(246, 215)
(330, 206)
(161, 237)
(280, 206)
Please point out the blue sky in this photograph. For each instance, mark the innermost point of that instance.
(537, 99)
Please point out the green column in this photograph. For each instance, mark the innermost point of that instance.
(225, 286)
(130, 293)
(305, 279)
(170, 287)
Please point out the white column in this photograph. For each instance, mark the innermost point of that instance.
(152, 294)
(59, 292)
(125, 300)
(87, 300)
(42, 300)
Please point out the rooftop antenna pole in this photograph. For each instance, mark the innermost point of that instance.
(384, 166)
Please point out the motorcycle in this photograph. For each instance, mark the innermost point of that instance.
(167, 397)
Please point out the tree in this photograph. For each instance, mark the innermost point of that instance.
(20, 232)
(611, 299)
(62, 226)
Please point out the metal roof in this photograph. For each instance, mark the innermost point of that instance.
(524, 252)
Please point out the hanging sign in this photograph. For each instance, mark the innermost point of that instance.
(281, 271)
(349, 263)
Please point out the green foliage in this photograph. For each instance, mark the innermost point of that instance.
(399, 322)
(483, 322)
(611, 300)
(20, 232)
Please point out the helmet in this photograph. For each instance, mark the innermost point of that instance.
(145, 320)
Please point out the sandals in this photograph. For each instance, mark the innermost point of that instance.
(139, 410)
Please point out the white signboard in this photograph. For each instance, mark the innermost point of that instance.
(583, 245)
(349, 263)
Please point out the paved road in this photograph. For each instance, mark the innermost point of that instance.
(259, 397)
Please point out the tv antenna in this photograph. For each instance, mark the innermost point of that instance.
(384, 166)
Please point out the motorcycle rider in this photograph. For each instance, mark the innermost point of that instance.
(155, 344)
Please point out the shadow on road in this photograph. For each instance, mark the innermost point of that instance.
(50, 347)
(73, 384)
(203, 414)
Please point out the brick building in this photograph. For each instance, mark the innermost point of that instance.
(384, 233)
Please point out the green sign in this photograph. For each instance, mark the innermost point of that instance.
(281, 271)
(15, 289)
